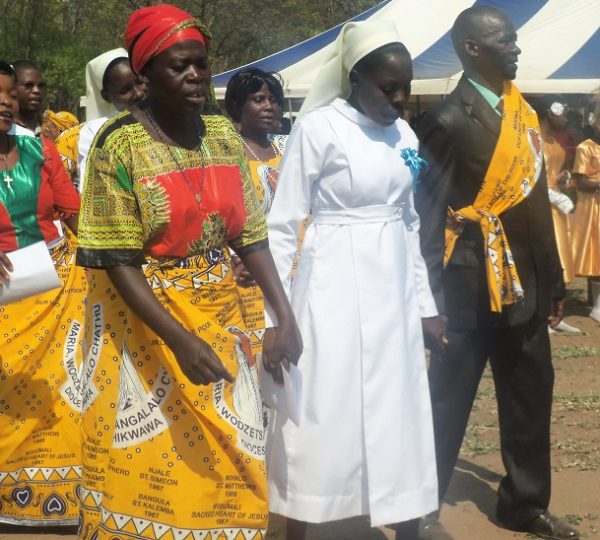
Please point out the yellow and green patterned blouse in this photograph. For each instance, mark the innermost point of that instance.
(143, 198)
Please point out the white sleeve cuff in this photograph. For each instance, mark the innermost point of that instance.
(428, 308)
(561, 201)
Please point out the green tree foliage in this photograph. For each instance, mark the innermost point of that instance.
(63, 35)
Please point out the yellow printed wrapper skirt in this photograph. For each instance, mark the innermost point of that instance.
(253, 312)
(253, 304)
(163, 458)
(40, 400)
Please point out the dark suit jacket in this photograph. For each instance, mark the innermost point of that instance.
(458, 139)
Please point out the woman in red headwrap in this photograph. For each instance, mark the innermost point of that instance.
(173, 426)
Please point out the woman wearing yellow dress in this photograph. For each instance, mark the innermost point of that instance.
(40, 336)
(254, 100)
(552, 117)
(586, 220)
(172, 426)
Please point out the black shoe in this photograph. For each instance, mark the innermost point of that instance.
(550, 527)
(430, 528)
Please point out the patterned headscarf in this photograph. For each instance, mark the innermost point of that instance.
(151, 30)
(53, 124)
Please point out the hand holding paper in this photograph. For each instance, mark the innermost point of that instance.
(284, 399)
(5, 268)
(32, 273)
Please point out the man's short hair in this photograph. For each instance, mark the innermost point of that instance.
(21, 65)
(466, 26)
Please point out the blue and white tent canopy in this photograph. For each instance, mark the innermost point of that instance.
(560, 40)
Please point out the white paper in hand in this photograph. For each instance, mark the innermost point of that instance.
(33, 273)
(284, 399)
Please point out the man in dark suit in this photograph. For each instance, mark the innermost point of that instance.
(458, 139)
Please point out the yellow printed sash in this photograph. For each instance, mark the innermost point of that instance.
(511, 175)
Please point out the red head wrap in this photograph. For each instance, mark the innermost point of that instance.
(153, 29)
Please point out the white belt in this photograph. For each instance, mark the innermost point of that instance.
(361, 215)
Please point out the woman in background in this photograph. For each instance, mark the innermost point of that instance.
(552, 116)
(53, 124)
(254, 101)
(586, 220)
(40, 336)
(111, 86)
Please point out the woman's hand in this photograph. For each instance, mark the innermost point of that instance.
(557, 311)
(434, 334)
(281, 345)
(71, 221)
(194, 356)
(5, 267)
(240, 274)
(198, 361)
(563, 178)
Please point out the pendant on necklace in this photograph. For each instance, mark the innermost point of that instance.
(8, 181)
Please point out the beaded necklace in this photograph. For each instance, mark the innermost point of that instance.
(162, 136)
(275, 151)
(269, 170)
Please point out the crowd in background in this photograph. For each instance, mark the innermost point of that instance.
(199, 253)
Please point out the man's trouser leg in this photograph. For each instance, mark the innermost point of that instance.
(453, 383)
(522, 366)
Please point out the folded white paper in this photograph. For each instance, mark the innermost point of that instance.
(284, 399)
(33, 273)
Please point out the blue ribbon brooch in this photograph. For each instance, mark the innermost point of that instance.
(415, 163)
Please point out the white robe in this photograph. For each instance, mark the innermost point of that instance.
(86, 137)
(365, 441)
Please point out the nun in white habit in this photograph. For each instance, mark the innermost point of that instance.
(364, 443)
(111, 86)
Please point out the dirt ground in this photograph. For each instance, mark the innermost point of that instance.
(468, 512)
